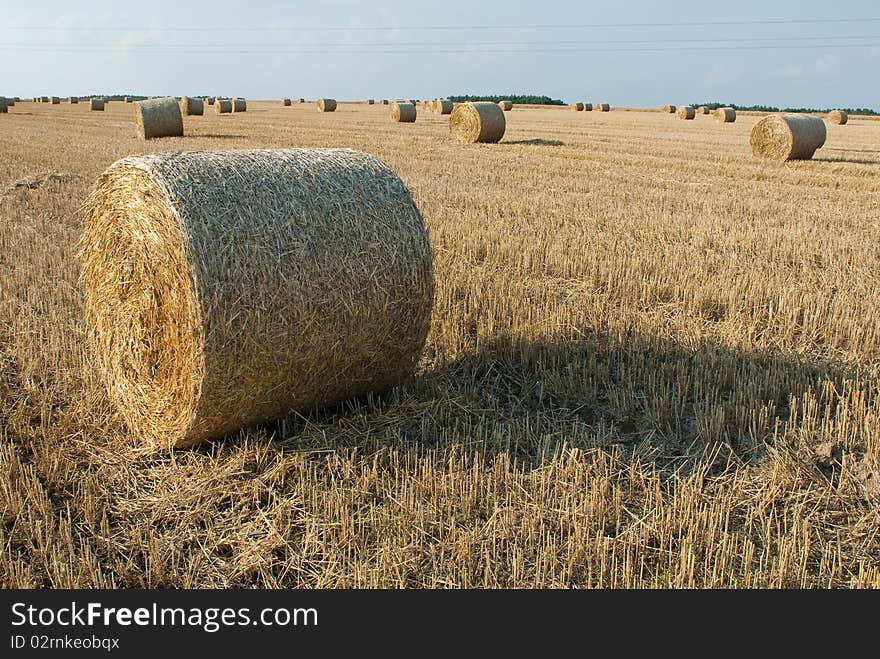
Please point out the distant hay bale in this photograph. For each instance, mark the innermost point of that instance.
(211, 100)
(223, 106)
(783, 137)
(602, 107)
(302, 100)
(480, 121)
(73, 100)
(443, 106)
(239, 105)
(55, 100)
(327, 104)
(315, 289)
(10, 102)
(127, 99)
(44, 99)
(578, 107)
(507, 106)
(588, 107)
(702, 110)
(285, 102)
(370, 101)
(4, 109)
(191, 106)
(158, 117)
(384, 101)
(669, 109)
(725, 115)
(686, 112)
(839, 117)
(403, 113)
(96, 104)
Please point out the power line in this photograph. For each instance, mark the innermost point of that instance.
(377, 28)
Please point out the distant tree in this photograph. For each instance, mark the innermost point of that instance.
(520, 99)
(770, 108)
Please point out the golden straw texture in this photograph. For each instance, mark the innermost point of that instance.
(481, 121)
(686, 112)
(787, 137)
(327, 105)
(668, 108)
(507, 106)
(578, 107)
(223, 289)
(602, 107)
(403, 112)
(158, 117)
(702, 110)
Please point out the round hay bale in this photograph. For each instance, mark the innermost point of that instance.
(55, 100)
(686, 112)
(302, 100)
(127, 99)
(4, 109)
(158, 117)
(44, 99)
(588, 107)
(839, 117)
(230, 288)
(73, 100)
(211, 100)
(285, 102)
(443, 106)
(96, 104)
(725, 115)
(702, 110)
(669, 109)
(403, 113)
(577, 107)
(384, 101)
(223, 106)
(327, 104)
(370, 101)
(507, 106)
(480, 121)
(191, 106)
(239, 105)
(10, 102)
(602, 107)
(783, 137)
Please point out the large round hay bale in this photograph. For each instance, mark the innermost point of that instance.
(96, 104)
(725, 115)
(239, 105)
(686, 112)
(507, 106)
(787, 137)
(577, 107)
(285, 102)
(443, 106)
(223, 106)
(229, 288)
(480, 121)
(602, 107)
(158, 117)
(669, 109)
(191, 106)
(327, 104)
(702, 110)
(403, 113)
(839, 117)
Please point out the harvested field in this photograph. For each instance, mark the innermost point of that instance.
(632, 378)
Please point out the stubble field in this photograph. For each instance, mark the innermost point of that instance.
(654, 362)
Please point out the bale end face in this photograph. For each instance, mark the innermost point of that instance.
(577, 107)
(176, 288)
(507, 106)
(686, 112)
(669, 109)
(839, 117)
(477, 122)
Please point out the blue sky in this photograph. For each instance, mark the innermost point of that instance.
(626, 53)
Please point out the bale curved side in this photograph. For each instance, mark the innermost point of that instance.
(317, 289)
(443, 106)
(96, 104)
(784, 137)
(158, 117)
(239, 105)
(480, 121)
(669, 109)
(686, 112)
(588, 107)
(839, 117)
(327, 104)
(403, 112)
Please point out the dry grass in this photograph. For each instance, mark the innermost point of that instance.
(632, 378)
